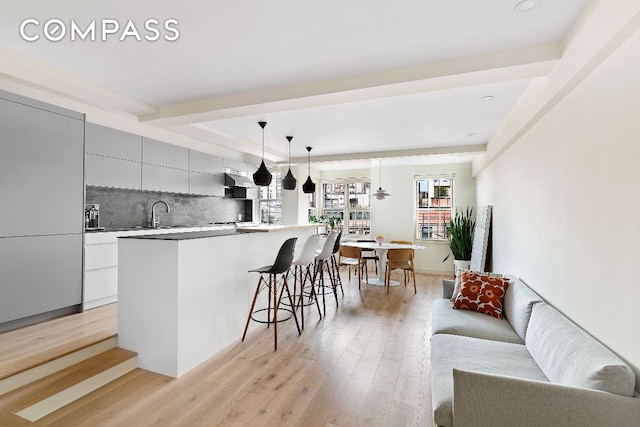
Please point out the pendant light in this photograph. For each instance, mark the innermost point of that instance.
(289, 181)
(262, 176)
(309, 186)
(381, 194)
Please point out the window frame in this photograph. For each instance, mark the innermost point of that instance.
(345, 211)
(440, 225)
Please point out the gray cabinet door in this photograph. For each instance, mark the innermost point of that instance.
(162, 154)
(41, 171)
(159, 178)
(205, 163)
(39, 274)
(206, 184)
(109, 172)
(112, 143)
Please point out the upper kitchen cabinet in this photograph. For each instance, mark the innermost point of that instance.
(110, 172)
(161, 178)
(206, 174)
(162, 154)
(112, 157)
(113, 143)
(205, 163)
(41, 169)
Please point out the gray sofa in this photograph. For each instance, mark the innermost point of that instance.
(532, 368)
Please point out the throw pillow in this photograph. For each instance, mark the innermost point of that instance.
(481, 292)
(456, 283)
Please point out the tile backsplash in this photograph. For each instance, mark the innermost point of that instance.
(122, 208)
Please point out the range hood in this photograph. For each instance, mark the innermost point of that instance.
(231, 180)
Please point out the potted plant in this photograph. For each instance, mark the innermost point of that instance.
(460, 231)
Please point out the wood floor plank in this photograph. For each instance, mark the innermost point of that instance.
(365, 363)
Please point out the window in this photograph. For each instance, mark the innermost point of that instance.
(270, 200)
(434, 204)
(351, 202)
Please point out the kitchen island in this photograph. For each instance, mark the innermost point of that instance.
(183, 297)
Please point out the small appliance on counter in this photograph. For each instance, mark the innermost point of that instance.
(92, 217)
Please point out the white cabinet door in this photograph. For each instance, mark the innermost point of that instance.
(205, 163)
(112, 143)
(109, 172)
(159, 178)
(206, 184)
(162, 154)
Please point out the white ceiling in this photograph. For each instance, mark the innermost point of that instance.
(354, 79)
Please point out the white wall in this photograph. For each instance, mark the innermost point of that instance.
(565, 190)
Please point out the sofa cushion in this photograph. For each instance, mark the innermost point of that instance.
(518, 301)
(444, 320)
(481, 292)
(472, 354)
(569, 356)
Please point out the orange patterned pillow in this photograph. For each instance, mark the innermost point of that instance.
(481, 292)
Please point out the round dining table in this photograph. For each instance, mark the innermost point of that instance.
(381, 251)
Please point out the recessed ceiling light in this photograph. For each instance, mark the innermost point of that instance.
(525, 5)
(487, 98)
(471, 134)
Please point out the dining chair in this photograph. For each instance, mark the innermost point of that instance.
(400, 259)
(273, 284)
(351, 256)
(369, 255)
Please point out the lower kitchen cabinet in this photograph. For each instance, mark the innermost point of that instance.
(100, 269)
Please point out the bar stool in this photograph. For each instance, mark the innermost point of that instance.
(280, 267)
(334, 262)
(322, 264)
(303, 269)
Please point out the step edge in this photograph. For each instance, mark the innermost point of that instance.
(64, 397)
(43, 370)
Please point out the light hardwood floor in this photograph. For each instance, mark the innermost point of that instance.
(365, 364)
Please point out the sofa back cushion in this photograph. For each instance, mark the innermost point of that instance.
(518, 301)
(569, 356)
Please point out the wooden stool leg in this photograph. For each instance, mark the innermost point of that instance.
(285, 287)
(275, 312)
(253, 304)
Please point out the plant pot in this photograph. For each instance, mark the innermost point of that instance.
(461, 265)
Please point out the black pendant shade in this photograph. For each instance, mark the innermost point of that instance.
(262, 176)
(289, 181)
(309, 186)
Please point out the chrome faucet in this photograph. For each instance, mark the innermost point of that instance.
(155, 221)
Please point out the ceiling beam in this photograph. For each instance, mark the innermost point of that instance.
(375, 155)
(482, 69)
